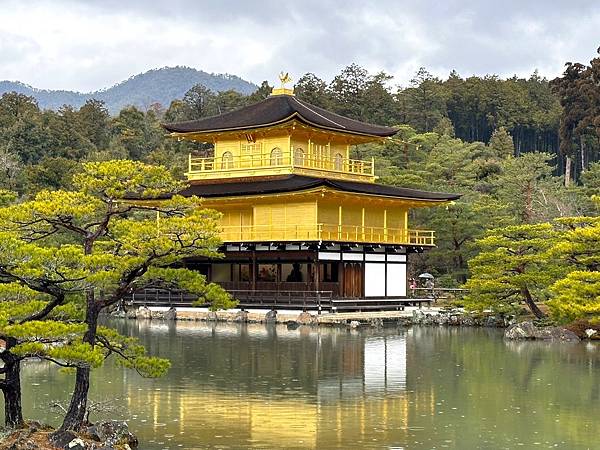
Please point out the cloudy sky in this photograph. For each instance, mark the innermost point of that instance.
(87, 45)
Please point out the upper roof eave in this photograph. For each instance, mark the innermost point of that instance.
(277, 110)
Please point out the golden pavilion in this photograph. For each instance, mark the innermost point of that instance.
(303, 224)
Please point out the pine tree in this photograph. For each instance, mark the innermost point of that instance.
(98, 246)
(512, 268)
(501, 143)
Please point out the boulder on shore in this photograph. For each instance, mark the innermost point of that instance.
(112, 433)
(144, 312)
(528, 331)
(306, 318)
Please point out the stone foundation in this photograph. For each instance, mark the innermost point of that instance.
(430, 316)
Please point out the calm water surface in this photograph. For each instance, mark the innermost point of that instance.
(258, 386)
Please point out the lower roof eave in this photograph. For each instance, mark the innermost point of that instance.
(300, 183)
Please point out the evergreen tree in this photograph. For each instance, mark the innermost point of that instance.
(199, 102)
(501, 143)
(261, 93)
(347, 91)
(94, 122)
(426, 103)
(512, 268)
(115, 246)
(577, 296)
(312, 89)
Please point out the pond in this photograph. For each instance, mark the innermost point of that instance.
(263, 386)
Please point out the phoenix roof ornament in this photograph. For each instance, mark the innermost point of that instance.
(284, 78)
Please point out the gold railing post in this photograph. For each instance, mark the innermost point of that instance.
(189, 162)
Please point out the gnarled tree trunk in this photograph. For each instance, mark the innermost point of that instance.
(76, 414)
(11, 388)
(537, 312)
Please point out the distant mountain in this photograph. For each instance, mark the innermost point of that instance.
(155, 86)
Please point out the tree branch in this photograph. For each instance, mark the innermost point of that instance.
(45, 311)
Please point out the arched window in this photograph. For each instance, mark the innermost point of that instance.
(276, 156)
(227, 160)
(299, 157)
(338, 162)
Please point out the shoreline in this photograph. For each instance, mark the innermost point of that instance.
(515, 329)
(408, 316)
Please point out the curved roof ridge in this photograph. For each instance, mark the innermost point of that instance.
(275, 110)
(308, 105)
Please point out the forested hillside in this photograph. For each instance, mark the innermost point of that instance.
(502, 143)
(473, 107)
(158, 86)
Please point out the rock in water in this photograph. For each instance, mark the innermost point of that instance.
(144, 313)
(241, 316)
(418, 316)
(522, 330)
(590, 332)
(527, 330)
(271, 316)
(292, 325)
(376, 322)
(306, 318)
(170, 314)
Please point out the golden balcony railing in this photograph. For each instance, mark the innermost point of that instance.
(278, 162)
(327, 232)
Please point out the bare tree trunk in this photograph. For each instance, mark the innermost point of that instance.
(568, 163)
(11, 389)
(76, 414)
(75, 417)
(537, 312)
(582, 151)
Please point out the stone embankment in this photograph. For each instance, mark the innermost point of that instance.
(412, 316)
(433, 316)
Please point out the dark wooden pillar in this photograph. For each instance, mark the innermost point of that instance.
(341, 290)
(254, 270)
(317, 278)
(278, 279)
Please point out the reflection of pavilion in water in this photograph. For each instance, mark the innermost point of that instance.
(357, 385)
(383, 371)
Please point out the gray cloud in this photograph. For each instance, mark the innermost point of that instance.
(87, 45)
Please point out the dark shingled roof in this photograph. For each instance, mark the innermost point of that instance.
(292, 183)
(275, 110)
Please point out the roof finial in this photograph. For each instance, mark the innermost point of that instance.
(285, 78)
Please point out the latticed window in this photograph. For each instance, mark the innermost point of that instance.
(338, 162)
(276, 156)
(299, 157)
(227, 160)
